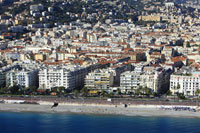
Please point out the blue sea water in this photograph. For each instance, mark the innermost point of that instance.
(73, 123)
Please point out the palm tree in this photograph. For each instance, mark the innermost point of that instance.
(178, 86)
(197, 92)
(175, 90)
(102, 92)
(119, 91)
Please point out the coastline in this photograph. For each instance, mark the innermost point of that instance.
(100, 109)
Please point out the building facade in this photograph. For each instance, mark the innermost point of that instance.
(156, 80)
(185, 83)
(99, 80)
(70, 78)
(22, 78)
(3, 72)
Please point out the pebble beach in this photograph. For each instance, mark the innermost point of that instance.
(101, 109)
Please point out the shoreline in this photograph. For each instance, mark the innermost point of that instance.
(100, 109)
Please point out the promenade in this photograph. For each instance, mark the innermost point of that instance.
(114, 101)
(129, 107)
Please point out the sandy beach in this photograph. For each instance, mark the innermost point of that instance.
(105, 109)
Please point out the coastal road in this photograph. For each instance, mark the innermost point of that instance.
(101, 100)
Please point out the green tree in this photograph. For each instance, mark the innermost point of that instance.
(4, 90)
(155, 94)
(175, 90)
(132, 91)
(138, 90)
(197, 92)
(181, 95)
(102, 92)
(33, 88)
(14, 89)
(76, 92)
(84, 91)
(168, 93)
(146, 91)
(178, 87)
(20, 92)
(23, 90)
(188, 45)
(110, 94)
(54, 89)
(61, 90)
(119, 91)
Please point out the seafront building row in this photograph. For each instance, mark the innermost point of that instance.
(125, 77)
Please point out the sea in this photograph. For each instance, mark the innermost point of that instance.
(77, 123)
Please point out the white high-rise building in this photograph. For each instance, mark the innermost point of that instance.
(129, 80)
(185, 83)
(22, 78)
(156, 80)
(3, 72)
(69, 77)
(2, 78)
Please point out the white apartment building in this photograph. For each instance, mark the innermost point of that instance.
(129, 80)
(117, 70)
(185, 83)
(3, 72)
(2, 78)
(70, 77)
(22, 78)
(101, 79)
(156, 80)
